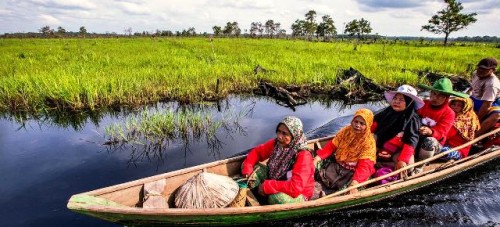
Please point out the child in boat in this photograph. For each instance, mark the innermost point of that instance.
(288, 176)
(396, 128)
(463, 130)
(354, 151)
(437, 118)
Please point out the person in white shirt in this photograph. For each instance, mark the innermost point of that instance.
(486, 94)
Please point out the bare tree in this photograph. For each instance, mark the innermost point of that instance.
(255, 28)
(128, 31)
(191, 31)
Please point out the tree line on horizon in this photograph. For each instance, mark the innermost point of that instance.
(446, 21)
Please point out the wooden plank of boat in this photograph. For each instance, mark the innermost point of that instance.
(122, 203)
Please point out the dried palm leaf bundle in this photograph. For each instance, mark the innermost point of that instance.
(153, 197)
(206, 190)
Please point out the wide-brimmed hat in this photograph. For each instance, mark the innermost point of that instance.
(408, 91)
(444, 86)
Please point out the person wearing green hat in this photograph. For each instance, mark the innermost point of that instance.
(486, 94)
(437, 117)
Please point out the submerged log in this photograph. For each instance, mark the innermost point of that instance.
(283, 96)
(353, 87)
(459, 83)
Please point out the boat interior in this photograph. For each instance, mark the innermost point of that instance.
(133, 194)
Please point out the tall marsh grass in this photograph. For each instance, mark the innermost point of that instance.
(38, 75)
(152, 132)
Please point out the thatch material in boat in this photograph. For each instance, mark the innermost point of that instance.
(241, 198)
(153, 194)
(206, 190)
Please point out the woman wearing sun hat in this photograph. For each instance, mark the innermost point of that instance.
(396, 127)
(437, 117)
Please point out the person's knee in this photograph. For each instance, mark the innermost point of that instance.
(495, 116)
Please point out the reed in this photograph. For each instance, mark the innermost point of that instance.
(154, 131)
(38, 75)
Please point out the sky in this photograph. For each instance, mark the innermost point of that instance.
(387, 17)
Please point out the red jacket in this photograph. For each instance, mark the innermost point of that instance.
(302, 181)
(443, 116)
(364, 167)
(455, 139)
(406, 150)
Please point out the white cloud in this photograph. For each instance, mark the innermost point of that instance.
(48, 19)
(387, 17)
(134, 8)
(64, 4)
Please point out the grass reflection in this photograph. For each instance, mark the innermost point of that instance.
(149, 134)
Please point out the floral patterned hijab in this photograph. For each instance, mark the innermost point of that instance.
(466, 122)
(353, 146)
(282, 158)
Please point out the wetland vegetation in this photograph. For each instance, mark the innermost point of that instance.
(44, 75)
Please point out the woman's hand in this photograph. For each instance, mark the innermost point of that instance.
(384, 154)
(354, 190)
(425, 131)
(316, 160)
(399, 165)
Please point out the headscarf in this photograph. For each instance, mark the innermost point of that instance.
(352, 146)
(282, 158)
(390, 123)
(466, 122)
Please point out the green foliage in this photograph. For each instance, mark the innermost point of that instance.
(449, 20)
(310, 24)
(358, 28)
(155, 131)
(326, 28)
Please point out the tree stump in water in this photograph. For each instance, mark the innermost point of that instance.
(283, 96)
(353, 87)
(459, 83)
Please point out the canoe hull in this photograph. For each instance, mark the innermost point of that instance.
(247, 215)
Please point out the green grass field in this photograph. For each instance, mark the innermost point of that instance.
(38, 75)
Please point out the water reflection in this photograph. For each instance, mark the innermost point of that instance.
(62, 119)
(151, 133)
(48, 160)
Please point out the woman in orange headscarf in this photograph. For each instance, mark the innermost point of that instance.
(465, 126)
(353, 149)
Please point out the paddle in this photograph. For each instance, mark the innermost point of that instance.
(412, 165)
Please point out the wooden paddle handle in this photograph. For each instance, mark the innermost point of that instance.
(412, 165)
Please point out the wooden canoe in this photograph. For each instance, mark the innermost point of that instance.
(122, 203)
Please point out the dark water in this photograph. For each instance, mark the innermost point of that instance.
(44, 162)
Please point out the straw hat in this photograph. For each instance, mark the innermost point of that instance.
(206, 190)
(444, 86)
(408, 91)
